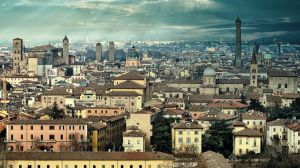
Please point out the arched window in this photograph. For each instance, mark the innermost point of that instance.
(89, 111)
(227, 89)
(279, 85)
(286, 85)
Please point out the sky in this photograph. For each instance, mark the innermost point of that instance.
(203, 20)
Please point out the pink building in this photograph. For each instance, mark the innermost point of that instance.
(50, 135)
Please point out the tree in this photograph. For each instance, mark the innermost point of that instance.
(255, 105)
(243, 99)
(162, 138)
(187, 156)
(219, 139)
(57, 113)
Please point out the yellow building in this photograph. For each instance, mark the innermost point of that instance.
(97, 136)
(135, 82)
(134, 140)
(247, 140)
(143, 120)
(89, 160)
(187, 134)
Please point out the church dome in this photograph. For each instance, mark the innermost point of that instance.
(133, 53)
(267, 56)
(209, 72)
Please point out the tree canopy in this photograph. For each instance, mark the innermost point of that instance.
(219, 139)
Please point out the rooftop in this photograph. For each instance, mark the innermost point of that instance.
(88, 156)
(248, 132)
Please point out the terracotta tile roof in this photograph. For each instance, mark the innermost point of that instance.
(231, 96)
(216, 116)
(202, 108)
(166, 89)
(129, 85)
(49, 122)
(294, 126)
(56, 91)
(248, 132)
(134, 133)
(278, 122)
(186, 81)
(238, 123)
(130, 76)
(88, 156)
(187, 125)
(233, 81)
(254, 115)
(290, 96)
(228, 105)
(274, 99)
(214, 160)
(96, 126)
(123, 93)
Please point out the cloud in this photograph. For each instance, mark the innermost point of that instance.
(147, 19)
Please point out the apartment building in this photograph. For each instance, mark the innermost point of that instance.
(50, 135)
(187, 133)
(89, 160)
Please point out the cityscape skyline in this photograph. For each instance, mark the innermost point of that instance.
(148, 20)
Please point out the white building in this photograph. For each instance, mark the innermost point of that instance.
(134, 140)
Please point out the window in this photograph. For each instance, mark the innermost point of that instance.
(21, 136)
(48, 166)
(103, 166)
(66, 166)
(254, 143)
(51, 137)
(286, 85)
(196, 140)
(279, 85)
(128, 142)
(61, 137)
(196, 132)
(180, 140)
(39, 166)
(84, 166)
(31, 136)
(241, 141)
(21, 127)
(42, 127)
(29, 166)
(131, 166)
(180, 132)
(11, 137)
(20, 166)
(188, 140)
(112, 166)
(31, 127)
(57, 166)
(140, 166)
(75, 166)
(12, 127)
(122, 166)
(51, 127)
(138, 141)
(94, 166)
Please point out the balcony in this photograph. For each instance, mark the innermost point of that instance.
(47, 141)
(10, 141)
(83, 140)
